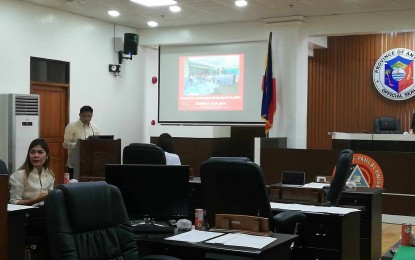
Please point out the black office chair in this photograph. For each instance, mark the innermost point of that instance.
(387, 125)
(89, 221)
(3, 168)
(343, 171)
(142, 153)
(235, 185)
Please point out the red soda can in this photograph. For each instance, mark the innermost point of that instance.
(65, 177)
(406, 234)
(199, 219)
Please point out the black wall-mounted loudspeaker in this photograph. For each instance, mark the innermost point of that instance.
(130, 43)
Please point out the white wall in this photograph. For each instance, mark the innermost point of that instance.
(290, 69)
(290, 60)
(150, 108)
(125, 106)
(28, 30)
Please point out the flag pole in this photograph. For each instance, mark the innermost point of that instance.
(268, 87)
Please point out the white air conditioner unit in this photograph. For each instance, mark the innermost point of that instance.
(19, 115)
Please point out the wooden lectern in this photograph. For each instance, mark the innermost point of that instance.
(91, 156)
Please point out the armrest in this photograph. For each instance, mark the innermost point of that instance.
(287, 221)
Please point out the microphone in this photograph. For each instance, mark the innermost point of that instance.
(93, 134)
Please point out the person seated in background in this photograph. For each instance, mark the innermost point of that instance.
(31, 183)
(165, 142)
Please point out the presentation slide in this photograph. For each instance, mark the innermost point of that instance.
(211, 84)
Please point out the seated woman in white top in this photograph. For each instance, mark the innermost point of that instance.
(32, 182)
(29, 186)
(166, 143)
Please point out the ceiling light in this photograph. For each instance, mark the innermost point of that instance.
(113, 13)
(152, 23)
(175, 8)
(151, 3)
(241, 3)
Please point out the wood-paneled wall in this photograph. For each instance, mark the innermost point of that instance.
(341, 93)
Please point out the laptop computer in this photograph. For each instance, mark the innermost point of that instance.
(292, 178)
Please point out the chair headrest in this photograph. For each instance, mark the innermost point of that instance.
(228, 160)
(144, 145)
(387, 123)
(3, 168)
(88, 205)
(347, 152)
(143, 153)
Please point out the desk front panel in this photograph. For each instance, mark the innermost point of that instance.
(156, 244)
(16, 234)
(370, 219)
(329, 236)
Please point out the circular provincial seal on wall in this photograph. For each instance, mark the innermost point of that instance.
(393, 74)
(366, 172)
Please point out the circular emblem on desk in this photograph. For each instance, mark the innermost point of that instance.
(393, 74)
(366, 172)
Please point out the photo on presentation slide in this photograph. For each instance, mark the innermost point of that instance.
(211, 82)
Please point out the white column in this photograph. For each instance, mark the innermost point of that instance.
(290, 65)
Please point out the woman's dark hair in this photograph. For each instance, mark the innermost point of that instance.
(166, 143)
(28, 166)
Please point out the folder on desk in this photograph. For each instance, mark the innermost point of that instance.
(404, 253)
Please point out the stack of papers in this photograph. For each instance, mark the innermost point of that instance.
(316, 185)
(312, 208)
(242, 240)
(13, 207)
(194, 236)
(235, 239)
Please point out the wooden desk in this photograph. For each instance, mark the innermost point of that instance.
(399, 182)
(370, 218)
(370, 200)
(373, 142)
(156, 244)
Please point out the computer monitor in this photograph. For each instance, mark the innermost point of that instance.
(152, 191)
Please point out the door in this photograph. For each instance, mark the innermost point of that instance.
(53, 107)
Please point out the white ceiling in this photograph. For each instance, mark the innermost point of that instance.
(201, 12)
